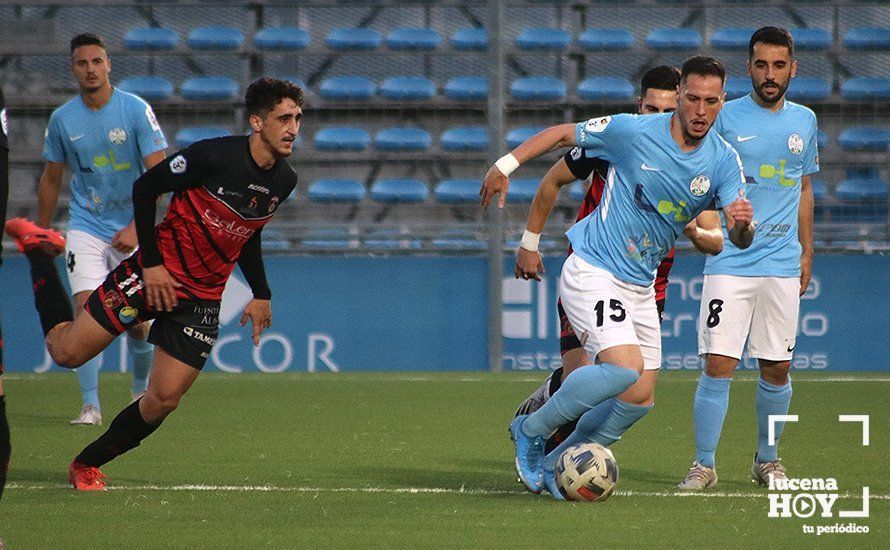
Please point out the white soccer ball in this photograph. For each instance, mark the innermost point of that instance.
(586, 472)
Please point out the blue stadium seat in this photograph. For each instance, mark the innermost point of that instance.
(464, 138)
(866, 173)
(470, 39)
(459, 239)
(353, 39)
(467, 88)
(395, 191)
(821, 139)
(413, 39)
(408, 88)
(734, 38)
(517, 135)
(151, 39)
(605, 87)
(864, 88)
(458, 191)
(330, 239)
(392, 239)
(342, 138)
(150, 88)
(864, 138)
(673, 39)
(202, 88)
(532, 88)
(737, 86)
(868, 38)
(215, 38)
(543, 39)
(274, 239)
(281, 38)
(861, 200)
(347, 88)
(606, 39)
(811, 39)
(820, 198)
(577, 191)
(336, 191)
(191, 134)
(403, 138)
(522, 190)
(803, 89)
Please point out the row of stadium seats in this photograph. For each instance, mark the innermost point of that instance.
(475, 88)
(475, 39)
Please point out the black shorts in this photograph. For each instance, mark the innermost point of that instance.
(567, 339)
(187, 333)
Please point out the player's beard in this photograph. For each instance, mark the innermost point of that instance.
(773, 99)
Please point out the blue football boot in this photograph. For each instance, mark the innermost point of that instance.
(550, 484)
(529, 455)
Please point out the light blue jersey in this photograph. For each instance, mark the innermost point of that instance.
(653, 190)
(777, 148)
(104, 150)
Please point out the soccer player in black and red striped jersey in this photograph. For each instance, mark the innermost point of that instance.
(224, 191)
(5, 447)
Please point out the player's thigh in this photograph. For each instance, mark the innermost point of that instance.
(85, 261)
(643, 390)
(774, 326)
(727, 305)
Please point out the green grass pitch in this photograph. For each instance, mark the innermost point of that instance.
(420, 460)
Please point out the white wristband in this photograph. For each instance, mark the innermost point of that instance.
(507, 164)
(530, 241)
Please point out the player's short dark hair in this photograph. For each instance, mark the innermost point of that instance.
(663, 77)
(771, 35)
(264, 94)
(702, 65)
(87, 39)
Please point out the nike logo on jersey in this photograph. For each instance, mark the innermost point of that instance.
(741, 139)
(75, 138)
(649, 168)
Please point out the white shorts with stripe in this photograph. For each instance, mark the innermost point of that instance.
(89, 260)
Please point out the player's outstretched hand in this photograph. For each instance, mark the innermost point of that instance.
(495, 182)
(160, 288)
(529, 265)
(125, 240)
(260, 314)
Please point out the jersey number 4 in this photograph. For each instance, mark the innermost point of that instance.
(618, 313)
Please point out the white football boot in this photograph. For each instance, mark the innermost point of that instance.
(698, 478)
(89, 415)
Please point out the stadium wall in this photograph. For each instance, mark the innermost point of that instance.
(430, 314)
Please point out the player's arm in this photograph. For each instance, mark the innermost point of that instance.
(4, 190)
(48, 192)
(126, 240)
(805, 232)
(705, 232)
(258, 310)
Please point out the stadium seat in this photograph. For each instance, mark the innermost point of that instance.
(467, 88)
(865, 88)
(395, 191)
(737, 86)
(392, 239)
(281, 38)
(804, 89)
(522, 190)
(458, 191)
(408, 88)
(151, 39)
(459, 239)
(867, 38)
(863, 173)
(861, 200)
(330, 239)
(517, 135)
(537, 88)
(820, 199)
(413, 39)
(543, 39)
(673, 39)
(192, 134)
(577, 191)
(274, 239)
(464, 138)
(734, 38)
(150, 88)
(821, 139)
(605, 87)
(215, 38)
(336, 191)
(864, 138)
(353, 39)
(606, 39)
(403, 138)
(203, 88)
(347, 88)
(470, 39)
(342, 138)
(811, 39)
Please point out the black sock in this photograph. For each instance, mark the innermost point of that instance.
(5, 447)
(126, 432)
(52, 302)
(555, 381)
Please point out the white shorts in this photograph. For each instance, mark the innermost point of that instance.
(88, 260)
(606, 312)
(762, 310)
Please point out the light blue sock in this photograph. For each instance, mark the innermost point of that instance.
(141, 352)
(770, 399)
(588, 424)
(581, 391)
(623, 416)
(88, 378)
(709, 410)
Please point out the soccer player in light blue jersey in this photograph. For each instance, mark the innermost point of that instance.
(108, 138)
(664, 171)
(754, 294)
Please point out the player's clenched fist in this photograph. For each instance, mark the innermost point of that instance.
(742, 212)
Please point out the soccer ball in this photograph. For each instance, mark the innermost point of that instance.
(586, 472)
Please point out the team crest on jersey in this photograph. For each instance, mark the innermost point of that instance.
(597, 125)
(112, 300)
(700, 185)
(795, 144)
(177, 165)
(117, 136)
(273, 204)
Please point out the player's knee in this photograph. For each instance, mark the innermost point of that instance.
(777, 374)
(719, 367)
(160, 403)
(63, 355)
